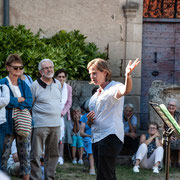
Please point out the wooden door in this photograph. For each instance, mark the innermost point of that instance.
(177, 54)
(160, 60)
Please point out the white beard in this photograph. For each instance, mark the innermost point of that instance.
(48, 75)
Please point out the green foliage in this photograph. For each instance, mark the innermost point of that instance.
(67, 50)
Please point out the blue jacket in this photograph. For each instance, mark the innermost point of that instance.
(13, 103)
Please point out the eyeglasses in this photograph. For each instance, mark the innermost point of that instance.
(171, 105)
(129, 111)
(47, 68)
(17, 67)
(152, 128)
(60, 76)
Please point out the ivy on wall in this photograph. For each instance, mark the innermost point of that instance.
(68, 50)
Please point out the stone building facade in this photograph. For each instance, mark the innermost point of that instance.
(124, 29)
(115, 26)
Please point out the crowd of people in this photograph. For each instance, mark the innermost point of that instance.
(98, 128)
(48, 101)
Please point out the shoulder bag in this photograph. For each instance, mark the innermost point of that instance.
(22, 117)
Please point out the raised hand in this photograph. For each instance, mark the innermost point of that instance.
(131, 66)
(157, 134)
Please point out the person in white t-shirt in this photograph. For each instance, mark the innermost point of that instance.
(105, 117)
(4, 100)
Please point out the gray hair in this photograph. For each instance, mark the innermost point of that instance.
(129, 105)
(172, 100)
(42, 61)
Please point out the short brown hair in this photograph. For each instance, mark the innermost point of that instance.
(13, 58)
(101, 65)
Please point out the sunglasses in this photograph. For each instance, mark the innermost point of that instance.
(17, 67)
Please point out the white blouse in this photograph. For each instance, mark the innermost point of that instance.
(108, 113)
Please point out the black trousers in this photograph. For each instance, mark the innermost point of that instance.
(105, 154)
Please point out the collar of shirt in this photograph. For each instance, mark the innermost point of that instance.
(42, 83)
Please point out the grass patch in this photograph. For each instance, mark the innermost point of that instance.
(77, 172)
(125, 172)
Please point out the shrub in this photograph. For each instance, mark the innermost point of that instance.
(68, 50)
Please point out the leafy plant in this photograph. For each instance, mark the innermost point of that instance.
(67, 50)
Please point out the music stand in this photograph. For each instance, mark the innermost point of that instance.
(173, 128)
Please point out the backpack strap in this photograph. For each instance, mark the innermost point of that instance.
(1, 88)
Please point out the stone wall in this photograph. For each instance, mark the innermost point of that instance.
(114, 25)
(81, 91)
(102, 21)
(1, 12)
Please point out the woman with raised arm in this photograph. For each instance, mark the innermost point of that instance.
(105, 116)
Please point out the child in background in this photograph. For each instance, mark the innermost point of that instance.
(76, 138)
(85, 132)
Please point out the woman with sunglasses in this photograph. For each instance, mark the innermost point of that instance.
(150, 153)
(22, 100)
(66, 127)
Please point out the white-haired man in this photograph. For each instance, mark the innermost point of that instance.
(46, 114)
(130, 124)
